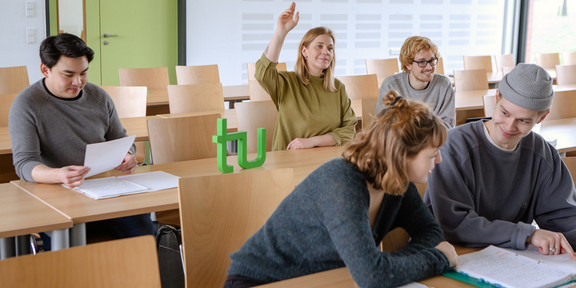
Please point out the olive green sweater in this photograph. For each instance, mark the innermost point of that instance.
(305, 110)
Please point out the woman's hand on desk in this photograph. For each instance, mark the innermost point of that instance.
(551, 243)
(449, 251)
(316, 141)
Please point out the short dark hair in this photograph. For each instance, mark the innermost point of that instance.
(53, 47)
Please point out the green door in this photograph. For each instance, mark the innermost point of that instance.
(131, 34)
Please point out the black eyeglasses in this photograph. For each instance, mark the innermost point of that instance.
(423, 63)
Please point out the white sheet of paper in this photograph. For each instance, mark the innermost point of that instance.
(104, 156)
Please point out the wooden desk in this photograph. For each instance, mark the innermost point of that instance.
(565, 87)
(472, 99)
(229, 114)
(21, 214)
(231, 94)
(5, 146)
(564, 130)
(341, 278)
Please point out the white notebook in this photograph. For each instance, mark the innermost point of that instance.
(102, 188)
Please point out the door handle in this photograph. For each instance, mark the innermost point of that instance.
(109, 35)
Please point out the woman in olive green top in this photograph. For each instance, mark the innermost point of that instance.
(313, 107)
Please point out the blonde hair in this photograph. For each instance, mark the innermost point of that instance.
(400, 131)
(411, 47)
(302, 70)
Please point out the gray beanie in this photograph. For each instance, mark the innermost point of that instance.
(528, 86)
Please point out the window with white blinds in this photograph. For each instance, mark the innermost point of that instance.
(234, 33)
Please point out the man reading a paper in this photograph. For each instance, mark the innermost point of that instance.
(53, 120)
(498, 176)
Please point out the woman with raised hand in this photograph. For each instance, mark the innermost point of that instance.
(340, 213)
(313, 107)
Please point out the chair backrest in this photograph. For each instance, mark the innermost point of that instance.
(6, 100)
(153, 78)
(489, 105)
(570, 163)
(254, 115)
(220, 212)
(478, 62)
(565, 74)
(360, 86)
(548, 60)
(368, 110)
(182, 138)
(474, 79)
(563, 105)
(507, 69)
(195, 98)
(251, 68)
(131, 262)
(382, 68)
(569, 58)
(130, 101)
(256, 92)
(13, 79)
(505, 60)
(440, 66)
(187, 75)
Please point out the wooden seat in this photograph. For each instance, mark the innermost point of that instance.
(570, 163)
(440, 66)
(182, 138)
(255, 90)
(153, 78)
(195, 98)
(489, 105)
(478, 62)
(548, 61)
(569, 58)
(220, 212)
(505, 60)
(13, 79)
(382, 68)
(7, 100)
(188, 75)
(360, 86)
(565, 74)
(131, 262)
(474, 79)
(563, 105)
(130, 101)
(254, 115)
(368, 110)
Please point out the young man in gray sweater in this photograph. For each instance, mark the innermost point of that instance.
(52, 120)
(498, 176)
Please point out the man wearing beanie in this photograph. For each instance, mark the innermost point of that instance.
(497, 177)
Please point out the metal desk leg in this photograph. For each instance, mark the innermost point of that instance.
(60, 239)
(78, 234)
(7, 247)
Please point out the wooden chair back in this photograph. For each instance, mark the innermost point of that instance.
(251, 68)
(489, 105)
(382, 68)
(220, 212)
(13, 79)
(474, 79)
(153, 78)
(563, 105)
(570, 163)
(505, 60)
(440, 66)
(188, 75)
(360, 86)
(256, 92)
(182, 138)
(6, 100)
(569, 58)
(565, 74)
(506, 70)
(548, 60)
(195, 98)
(254, 115)
(131, 262)
(368, 111)
(130, 101)
(478, 62)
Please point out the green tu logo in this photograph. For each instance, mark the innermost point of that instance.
(222, 137)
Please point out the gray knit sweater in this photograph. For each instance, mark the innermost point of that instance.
(439, 95)
(482, 195)
(323, 224)
(54, 131)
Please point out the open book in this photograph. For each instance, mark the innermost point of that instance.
(127, 184)
(499, 267)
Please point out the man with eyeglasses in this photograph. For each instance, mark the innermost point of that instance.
(418, 58)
